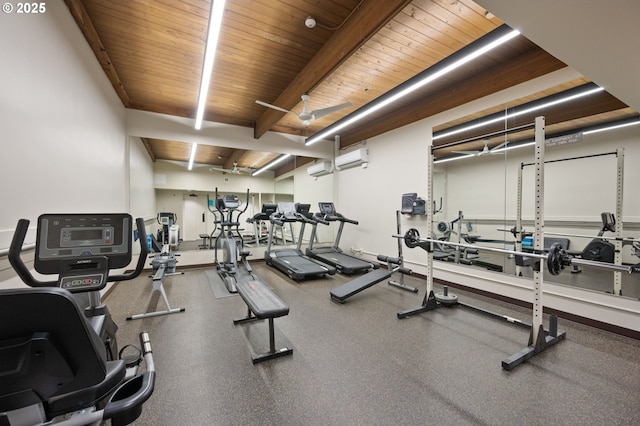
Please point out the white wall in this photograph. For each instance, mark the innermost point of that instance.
(309, 190)
(62, 124)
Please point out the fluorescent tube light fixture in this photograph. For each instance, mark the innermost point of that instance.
(428, 78)
(267, 166)
(192, 156)
(613, 126)
(519, 113)
(213, 32)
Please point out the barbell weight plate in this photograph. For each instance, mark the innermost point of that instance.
(411, 238)
(555, 258)
(448, 299)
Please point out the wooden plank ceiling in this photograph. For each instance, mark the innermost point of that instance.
(152, 52)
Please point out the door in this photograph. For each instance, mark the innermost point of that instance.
(192, 219)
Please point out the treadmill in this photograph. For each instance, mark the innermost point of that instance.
(291, 261)
(333, 255)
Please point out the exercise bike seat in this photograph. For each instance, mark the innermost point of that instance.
(51, 356)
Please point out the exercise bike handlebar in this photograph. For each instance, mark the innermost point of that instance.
(144, 252)
(129, 403)
(23, 272)
(16, 261)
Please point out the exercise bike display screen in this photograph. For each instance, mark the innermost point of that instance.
(69, 237)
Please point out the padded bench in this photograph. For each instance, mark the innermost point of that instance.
(263, 303)
(206, 241)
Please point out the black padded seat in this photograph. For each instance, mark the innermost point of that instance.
(263, 302)
(50, 354)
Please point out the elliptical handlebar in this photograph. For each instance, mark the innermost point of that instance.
(27, 277)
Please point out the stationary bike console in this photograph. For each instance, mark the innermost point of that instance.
(82, 248)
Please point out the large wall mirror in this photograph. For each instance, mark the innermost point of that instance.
(190, 195)
(589, 196)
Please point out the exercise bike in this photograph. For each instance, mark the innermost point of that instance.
(599, 249)
(60, 365)
(230, 242)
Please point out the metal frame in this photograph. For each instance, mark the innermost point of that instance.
(539, 339)
(400, 283)
(619, 153)
(166, 267)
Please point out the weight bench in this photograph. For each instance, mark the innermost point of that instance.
(263, 303)
(342, 293)
(206, 241)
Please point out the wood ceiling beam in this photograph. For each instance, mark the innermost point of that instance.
(85, 24)
(530, 65)
(362, 25)
(147, 146)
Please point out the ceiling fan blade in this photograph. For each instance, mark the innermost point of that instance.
(497, 147)
(272, 106)
(218, 169)
(324, 111)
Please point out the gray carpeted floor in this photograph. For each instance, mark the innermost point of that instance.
(358, 364)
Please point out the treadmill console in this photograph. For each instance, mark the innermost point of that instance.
(269, 208)
(327, 209)
(82, 248)
(287, 210)
(304, 209)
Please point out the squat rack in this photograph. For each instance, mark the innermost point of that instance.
(619, 153)
(539, 339)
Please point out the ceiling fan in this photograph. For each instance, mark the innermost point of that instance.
(307, 116)
(234, 170)
(483, 151)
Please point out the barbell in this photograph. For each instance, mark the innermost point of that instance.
(557, 258)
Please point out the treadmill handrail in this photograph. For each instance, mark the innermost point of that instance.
(337, 217)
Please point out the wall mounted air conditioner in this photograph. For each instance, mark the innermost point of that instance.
(352, 159)
(320, 168)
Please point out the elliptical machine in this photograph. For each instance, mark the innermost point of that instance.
(230, 242)
(60, 365)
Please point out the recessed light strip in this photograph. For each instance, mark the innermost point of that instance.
(613, 125)
(267, 166)
(501, 117)
(411, 85)
(192, 156)
(213, 32)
